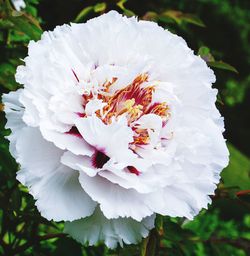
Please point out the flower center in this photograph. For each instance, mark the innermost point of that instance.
(134, 101)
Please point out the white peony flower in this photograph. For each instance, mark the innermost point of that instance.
(116, 122)
(18, 4)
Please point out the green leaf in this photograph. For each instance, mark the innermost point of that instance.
(238, 171)
(126, 12)
(84, 13)
(205, 54)
(247, 221)
(175, 15)
(173, 231)
(16, 200)
(234, 91)
(190, 18)
(15, 13)
(180, 17)
(31, 10)
(204, 225)
(7, 72)
(222, 65)
(203, 51)
(152, 16)
(100, 7)
(26, 26)
(121, 4)
(6, 24)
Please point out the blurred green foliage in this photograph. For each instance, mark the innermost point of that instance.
(217, 30)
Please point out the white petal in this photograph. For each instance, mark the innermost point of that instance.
(145, 182)
(113, 139)
(31, 114)
(60, 196)
(55, 187)
(124, 202)
(153, 124)
(126, 180)
(66, 106)
(67, 141)
(14, 113)
(18, 4)
(93, 105)
(13, 110)
(112, 231)
(173, 202)
(156, 156)
(79, 163)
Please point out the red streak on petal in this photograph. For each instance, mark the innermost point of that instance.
(99, 159)
(132, 169)
(81, 114)
(76, 77)
(74, 131)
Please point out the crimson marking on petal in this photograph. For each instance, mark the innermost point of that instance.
(133, 170)
(96, 65)
(76, 77)
(81, 114)
(74, 131)
(99, 159)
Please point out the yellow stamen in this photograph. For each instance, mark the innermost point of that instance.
(134, 100)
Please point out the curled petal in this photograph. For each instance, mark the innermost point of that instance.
(112, 231)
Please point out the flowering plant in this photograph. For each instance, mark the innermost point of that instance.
(112, 133)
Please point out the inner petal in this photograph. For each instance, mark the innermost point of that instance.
(99, 159)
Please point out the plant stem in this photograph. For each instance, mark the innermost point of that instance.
(150, 244)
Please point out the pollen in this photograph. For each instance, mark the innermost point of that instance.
(132, 101)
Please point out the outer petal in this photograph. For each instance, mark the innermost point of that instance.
(55, 186)
(70, 142)
(112, 231)
(61, 197)
(173, 201)
(124, 202)
(14, 112)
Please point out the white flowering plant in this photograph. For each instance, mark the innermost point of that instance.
(117, 141)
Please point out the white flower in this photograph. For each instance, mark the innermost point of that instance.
(116, 122)
(18, 4)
